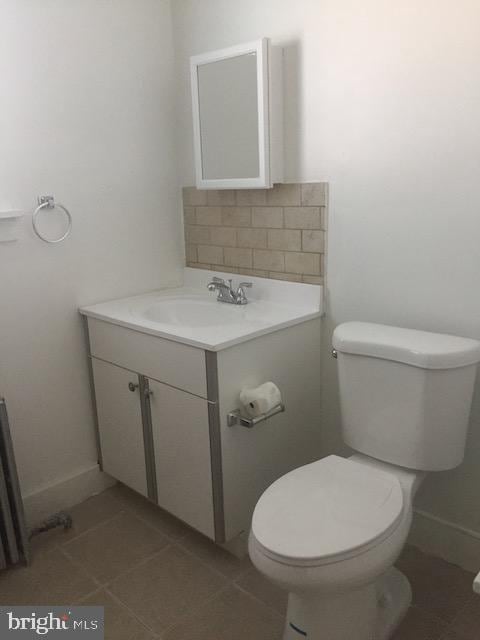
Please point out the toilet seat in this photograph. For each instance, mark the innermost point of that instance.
(326, 512)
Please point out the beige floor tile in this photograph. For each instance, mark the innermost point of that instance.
(120, 624)
(419, 625)
(115, 546)
(232, 615)
(166, 587)
(467, 622)
(438, 587)
(143, 508)
(51, 579)
(182, 589)
(215, 556)
(256, 584)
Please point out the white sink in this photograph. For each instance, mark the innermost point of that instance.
(193, 311)
(192, 315)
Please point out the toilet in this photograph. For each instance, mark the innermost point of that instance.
(329, 532)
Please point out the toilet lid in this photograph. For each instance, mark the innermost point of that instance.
(325, 510)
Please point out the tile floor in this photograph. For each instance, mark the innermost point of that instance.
(159, 579)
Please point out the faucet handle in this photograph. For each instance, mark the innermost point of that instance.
(219, 280)
(241, 296)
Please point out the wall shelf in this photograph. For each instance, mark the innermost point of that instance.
(11, 214)
(9, 225)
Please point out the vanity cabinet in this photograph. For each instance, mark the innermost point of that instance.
(162, 424)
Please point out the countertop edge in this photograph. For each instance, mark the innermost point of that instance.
(196, 343)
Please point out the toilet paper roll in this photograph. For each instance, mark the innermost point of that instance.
(261, 399)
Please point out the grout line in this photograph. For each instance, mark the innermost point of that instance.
(62, 544)
(131, 612)
(137, 565)
(89, 595)
(170, 538)
(92, 528)
(100, 584)
(244, 572)
(202, 561)
(80, 566)
(120, 604)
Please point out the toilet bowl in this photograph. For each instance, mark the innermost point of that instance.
(328, 533)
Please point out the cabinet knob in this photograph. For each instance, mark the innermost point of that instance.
(132, 386)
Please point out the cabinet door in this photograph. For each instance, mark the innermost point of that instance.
(120, 424)
(182, 455)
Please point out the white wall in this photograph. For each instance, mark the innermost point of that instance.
(86, 114)
(383, 101)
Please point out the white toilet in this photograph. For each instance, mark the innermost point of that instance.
(329, 532)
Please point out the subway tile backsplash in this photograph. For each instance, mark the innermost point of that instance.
(272, 233)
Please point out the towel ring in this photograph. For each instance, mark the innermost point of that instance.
(48, 202)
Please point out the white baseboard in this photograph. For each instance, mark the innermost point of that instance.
(452, 542)
(64, 494)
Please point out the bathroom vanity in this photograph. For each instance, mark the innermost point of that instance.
(167, 368)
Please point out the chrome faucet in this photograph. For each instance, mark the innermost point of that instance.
(226, 292)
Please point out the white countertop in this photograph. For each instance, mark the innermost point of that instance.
(191, 314)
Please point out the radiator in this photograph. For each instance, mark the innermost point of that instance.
(13, 532)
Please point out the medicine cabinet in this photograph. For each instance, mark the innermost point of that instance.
(237, 116)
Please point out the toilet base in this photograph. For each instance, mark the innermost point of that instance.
(372, 612)
(394, 598)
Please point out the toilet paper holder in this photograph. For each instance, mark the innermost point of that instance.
(235, 417)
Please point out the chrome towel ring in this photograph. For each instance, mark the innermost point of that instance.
(48, 202)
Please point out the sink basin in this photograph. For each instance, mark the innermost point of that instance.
(193, 311)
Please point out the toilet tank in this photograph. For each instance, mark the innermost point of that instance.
(405, 395)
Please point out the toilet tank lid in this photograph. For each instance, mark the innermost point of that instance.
(417, 348)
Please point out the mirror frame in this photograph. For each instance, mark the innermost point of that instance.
(261, 48)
